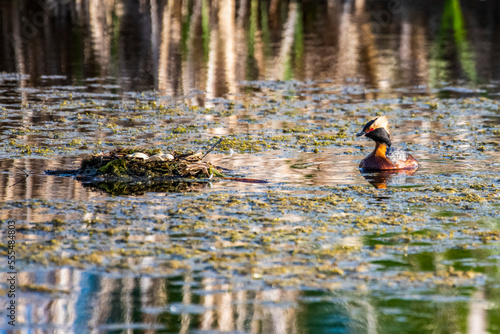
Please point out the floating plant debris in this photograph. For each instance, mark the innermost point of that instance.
(132, 170)
(140, 164)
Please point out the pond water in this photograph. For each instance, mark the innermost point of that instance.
(320, 247)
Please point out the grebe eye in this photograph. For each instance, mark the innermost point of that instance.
(371, 129)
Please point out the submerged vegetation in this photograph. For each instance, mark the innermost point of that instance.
(335, 239)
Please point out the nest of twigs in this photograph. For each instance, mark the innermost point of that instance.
(136, 163)
(136, 171)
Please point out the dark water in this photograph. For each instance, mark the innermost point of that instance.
(191, 46)
(321, 248)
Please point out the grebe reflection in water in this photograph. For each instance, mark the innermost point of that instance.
(382, 179)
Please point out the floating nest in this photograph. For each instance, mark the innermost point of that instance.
(135, 171)
(151, 164)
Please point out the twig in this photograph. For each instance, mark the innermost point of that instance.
(19, 181)
(212, 148)
(26, 175)
(22, 170)
(243, 179)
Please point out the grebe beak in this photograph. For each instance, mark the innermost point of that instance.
(359, 134)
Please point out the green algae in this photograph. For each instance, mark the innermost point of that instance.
(141, 120)
(116, 167)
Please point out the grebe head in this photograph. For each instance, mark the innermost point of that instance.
(377, 130)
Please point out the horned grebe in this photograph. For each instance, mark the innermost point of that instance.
(384, 157)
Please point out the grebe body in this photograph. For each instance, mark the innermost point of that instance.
(384, 156)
